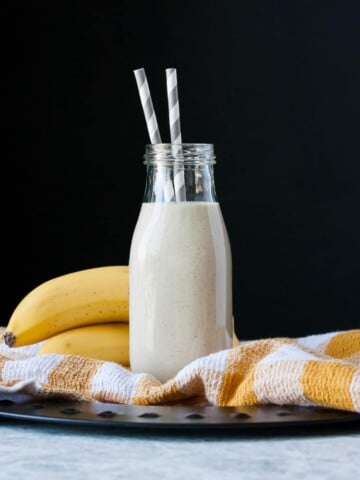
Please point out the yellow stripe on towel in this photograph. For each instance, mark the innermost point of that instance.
(344, 344)
(328, 383)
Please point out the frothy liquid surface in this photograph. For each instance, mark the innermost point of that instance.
(180, 286)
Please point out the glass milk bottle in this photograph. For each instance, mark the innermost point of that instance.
(180, 285)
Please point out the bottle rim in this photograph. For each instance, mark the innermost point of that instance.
(188, 153)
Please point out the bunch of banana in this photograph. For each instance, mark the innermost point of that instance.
(84, 313)
(81, 313)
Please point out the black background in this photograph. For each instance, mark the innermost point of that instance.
(274, 85)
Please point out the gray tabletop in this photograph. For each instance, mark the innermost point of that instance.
(49, 451)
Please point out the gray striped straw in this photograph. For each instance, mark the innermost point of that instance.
(147, 105)
(175, 129)
(162, 185)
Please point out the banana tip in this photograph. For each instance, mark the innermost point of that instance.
(9, 339)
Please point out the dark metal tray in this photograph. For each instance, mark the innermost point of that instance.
(173, 417)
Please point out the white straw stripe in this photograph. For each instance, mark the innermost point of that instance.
(171, 78)
(152, 125)
(179, 179)
(144, 93)
(168, 191)
(174, 115)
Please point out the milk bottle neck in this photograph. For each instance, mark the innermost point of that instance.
(179, 173)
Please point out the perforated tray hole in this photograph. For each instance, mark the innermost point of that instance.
(70, 411)
(6, 402)
(195, 416)
(149, 415)
(107, 414)
(241, 415)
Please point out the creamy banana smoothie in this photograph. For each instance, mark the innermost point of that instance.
(180, 286)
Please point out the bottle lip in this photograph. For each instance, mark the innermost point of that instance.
(189, 153)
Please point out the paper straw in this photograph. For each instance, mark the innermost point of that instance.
(147, 105)
(175, 129)
(161, 184)
(174, 109)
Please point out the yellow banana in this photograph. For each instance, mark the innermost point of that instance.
(85, 297)
(236, 341)
(108, 341)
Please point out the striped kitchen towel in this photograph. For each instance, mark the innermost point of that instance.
(317, 370)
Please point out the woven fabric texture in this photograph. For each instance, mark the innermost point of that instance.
(316, 370)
